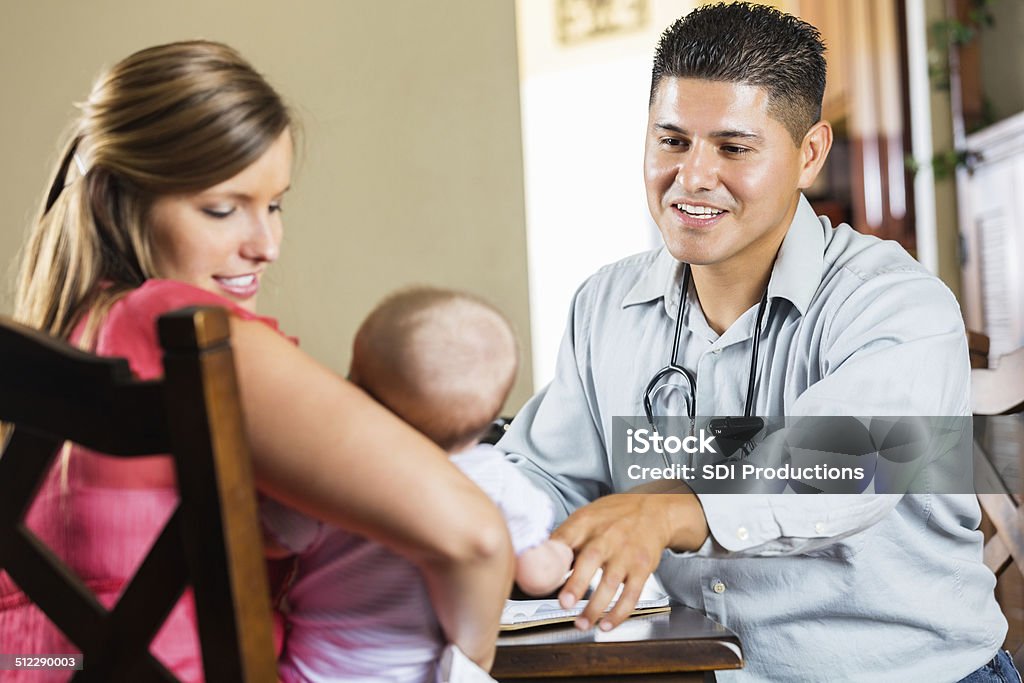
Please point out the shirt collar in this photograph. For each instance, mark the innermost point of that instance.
(798, 268)
(661, 279)
(795, 277)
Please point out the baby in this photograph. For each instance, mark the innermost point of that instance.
(444, 362)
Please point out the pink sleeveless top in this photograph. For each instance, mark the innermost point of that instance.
(109, 513)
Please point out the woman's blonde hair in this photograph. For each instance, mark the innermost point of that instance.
(170, 119)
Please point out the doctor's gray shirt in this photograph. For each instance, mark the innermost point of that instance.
(818, 587)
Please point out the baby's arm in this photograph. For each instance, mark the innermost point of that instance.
(286, 531)
(273, 550)
(541, 563)
(543, 568)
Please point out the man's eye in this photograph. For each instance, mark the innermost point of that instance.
(733, 149)
(219, 212)
(275, 207)
(672, 142)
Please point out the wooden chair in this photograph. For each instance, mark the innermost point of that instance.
(53, 393)
(978, 346)
(999, 447)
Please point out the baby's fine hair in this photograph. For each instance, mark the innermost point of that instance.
(442, 360)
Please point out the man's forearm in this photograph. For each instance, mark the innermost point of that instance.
(688, 528)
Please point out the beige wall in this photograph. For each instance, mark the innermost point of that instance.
(412, 170)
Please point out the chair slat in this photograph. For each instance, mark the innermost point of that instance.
(58, 592)
(146, 670)
(63, 391)
(219, 484)
(144, 605)
(27, 460)
(53, 393)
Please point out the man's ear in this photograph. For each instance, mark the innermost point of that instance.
(813, 152)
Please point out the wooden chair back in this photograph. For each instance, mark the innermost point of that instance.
(53, 393)
(1000, 450)
(978, 345)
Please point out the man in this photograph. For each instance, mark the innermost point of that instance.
(871, 587)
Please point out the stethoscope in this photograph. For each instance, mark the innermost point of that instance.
(720, 427)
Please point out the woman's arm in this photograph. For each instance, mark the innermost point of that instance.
(324, 447)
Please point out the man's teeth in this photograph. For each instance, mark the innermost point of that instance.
(241, 281)
(698, 210)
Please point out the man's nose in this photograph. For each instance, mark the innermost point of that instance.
(698, 170)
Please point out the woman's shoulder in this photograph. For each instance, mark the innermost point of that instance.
(129, 329)
(156, 297)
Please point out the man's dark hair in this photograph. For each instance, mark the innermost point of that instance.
(754, 45)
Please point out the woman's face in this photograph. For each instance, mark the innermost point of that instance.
(223, 238)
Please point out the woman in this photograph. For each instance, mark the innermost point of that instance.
(169, 194)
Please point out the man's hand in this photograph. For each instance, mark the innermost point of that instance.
(624, 534)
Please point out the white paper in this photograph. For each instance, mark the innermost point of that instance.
(525, 611)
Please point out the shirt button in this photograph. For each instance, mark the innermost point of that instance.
(718, 587)
(742, 533)
(819, 528)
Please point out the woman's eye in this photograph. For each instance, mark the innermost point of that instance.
(218, 212)
(275, 207)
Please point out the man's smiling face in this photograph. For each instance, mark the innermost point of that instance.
(722, 175)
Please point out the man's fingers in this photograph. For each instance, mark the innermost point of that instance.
(590, 521)
(612, 533)
(599, 599)
(587, 563)
(562, 550)
(626, 603)
(573, 532)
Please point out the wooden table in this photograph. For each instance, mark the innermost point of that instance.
(678, 646)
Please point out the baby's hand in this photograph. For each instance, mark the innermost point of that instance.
(543, 568)
(273, 550)
(563, 554)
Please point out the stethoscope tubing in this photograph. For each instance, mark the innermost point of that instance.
(676, 368)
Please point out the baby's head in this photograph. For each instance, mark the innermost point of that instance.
(443, 361)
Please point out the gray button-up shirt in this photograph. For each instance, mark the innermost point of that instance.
(818, 587)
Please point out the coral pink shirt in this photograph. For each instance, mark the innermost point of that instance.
(109, 513)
